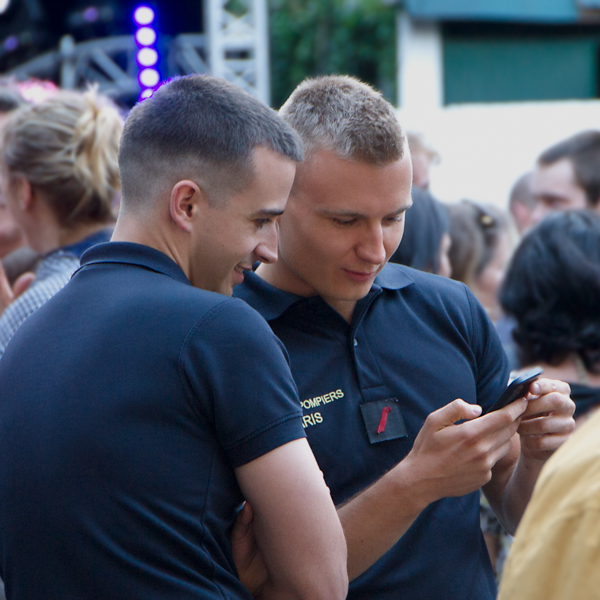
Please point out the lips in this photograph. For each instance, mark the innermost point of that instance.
(360, 276)
(239, 271)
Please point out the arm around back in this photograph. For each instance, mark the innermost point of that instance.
(296, 525)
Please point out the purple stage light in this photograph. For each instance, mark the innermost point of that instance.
(91, 14)
(11, 43)
(146, 94)
(145, 36)
(149, 78)
(147, 57)
(143, 15)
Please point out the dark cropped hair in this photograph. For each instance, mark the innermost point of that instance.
(426, 222)
(583, 150)
(552, 288)
(200, 128)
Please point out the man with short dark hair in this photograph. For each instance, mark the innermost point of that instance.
(380, 351)
(567, 176)
(156, 407)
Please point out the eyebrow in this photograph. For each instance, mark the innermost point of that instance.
(267, 212)
(548, 196)
(357, 215)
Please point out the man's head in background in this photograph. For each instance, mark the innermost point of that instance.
(567, 176)
(423, 157)
(522, 203)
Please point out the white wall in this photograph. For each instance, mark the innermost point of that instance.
(486, 147)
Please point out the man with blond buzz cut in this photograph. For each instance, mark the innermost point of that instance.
(380, 352)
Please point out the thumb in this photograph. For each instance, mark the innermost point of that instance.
(457, 410)
(242, 523)
(22, 283)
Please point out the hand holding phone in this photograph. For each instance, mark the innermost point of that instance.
(518, 388)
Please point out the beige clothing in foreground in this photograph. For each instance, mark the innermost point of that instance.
(556, 552)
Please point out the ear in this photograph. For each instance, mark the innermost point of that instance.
(187, 200)
(23, 193)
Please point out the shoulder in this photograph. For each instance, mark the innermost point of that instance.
(231, 325)
(420, 287)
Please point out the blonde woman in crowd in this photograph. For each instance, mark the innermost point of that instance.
(58, 177)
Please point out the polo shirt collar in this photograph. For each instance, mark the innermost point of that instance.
(272, 302)
(128, 253)
(269, 301)
(393, 277)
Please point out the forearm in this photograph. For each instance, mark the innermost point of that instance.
(518, 491)
(376, 519)
(509, 491)
(295, 524)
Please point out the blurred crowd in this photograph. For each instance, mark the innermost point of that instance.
(534, 266)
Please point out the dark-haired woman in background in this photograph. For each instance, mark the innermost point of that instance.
(552, 289)
(426, 241)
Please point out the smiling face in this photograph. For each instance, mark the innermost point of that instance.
(231, 236)
(342, 223)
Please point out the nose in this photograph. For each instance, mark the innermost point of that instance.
(266, 250)
(539, 212)
(371, 248)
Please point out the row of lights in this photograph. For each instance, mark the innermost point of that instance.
(147, 55)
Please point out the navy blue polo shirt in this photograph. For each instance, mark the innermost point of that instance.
(127, 401)
(416, 342)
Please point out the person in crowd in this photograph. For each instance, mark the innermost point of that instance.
(555, 552)
(394, 366)
(11, 237)
(480, 250)
(58, 177)
(423, 157)
(426, 242)
(521, 202)
(479, 255)
(551, 290)
(567, 176)
(16, 258)
(156, 402)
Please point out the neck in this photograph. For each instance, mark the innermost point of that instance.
(145, 230)
(279, 276)
(51, 238)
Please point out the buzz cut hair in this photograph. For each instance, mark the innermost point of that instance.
(345, 115)
(203, 129)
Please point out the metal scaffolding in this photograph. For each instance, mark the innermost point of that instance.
(238, 48)
(234, 46)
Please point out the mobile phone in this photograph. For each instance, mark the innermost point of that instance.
(518, 388)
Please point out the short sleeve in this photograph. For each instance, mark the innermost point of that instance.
(236, 372)
(492, 364)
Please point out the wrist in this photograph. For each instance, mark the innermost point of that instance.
(413, 486)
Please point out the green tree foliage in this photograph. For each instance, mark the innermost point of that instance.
(322, 37)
